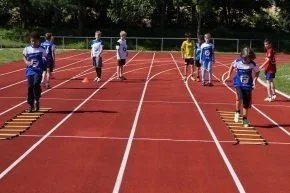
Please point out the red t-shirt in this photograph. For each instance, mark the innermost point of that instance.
(271, 65)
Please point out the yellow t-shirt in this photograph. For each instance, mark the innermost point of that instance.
(187, 49)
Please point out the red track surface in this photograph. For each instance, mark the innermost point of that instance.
(172, 149)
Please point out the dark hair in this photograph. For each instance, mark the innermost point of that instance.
(248, 52)
(35, 35)
(48, 36)
(268, 41)
(187, 34)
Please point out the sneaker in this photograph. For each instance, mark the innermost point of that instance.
(203, 84)
(210, 84)
(30, 109)
(118, 78)
(237, 116)
(36, 105)
(274, 96)
(98, 80)
(268, 99)
(246, 123)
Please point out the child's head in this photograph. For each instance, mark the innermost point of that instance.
(187, 36)
(123, 35)
(267, 43)
(34, 38)
(207, 37)
(200, 39)
(48, 36)
(98, 34)
(247, 55)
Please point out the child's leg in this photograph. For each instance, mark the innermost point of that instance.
(203, 75)
(36, 90)
(192, 69)
(247, 102)
(30, 92)
(209, 69)
(99, 72)
(185, 70)
(48, 74)
(43, 76)
(273, 89)
(118, 71)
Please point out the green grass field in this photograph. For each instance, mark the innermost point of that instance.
(282, 80)
(10, 55)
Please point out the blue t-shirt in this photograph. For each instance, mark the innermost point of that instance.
(35, 56)
(244, 76)
(207, 50)
(50, 48)
(197, 51)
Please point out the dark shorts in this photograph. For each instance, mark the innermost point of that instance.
(188, 61)
(197, 63)
(49, 65)
(97, 62)
(121, 62)
(245, 96)
(269, 76)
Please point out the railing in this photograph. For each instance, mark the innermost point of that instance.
(148, 43)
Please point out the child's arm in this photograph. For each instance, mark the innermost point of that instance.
(117, 49)
(230, 71)
(213, 55)
(256, 76)
(182, 49)
(266, 62)
(24, 57)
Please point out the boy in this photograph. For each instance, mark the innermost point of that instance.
(187, 51)
(270, 70)
(33, 58)
(244, 82)
(122, 54)
(197, 56)
(50, 59)
(207, 59)
(96, 52)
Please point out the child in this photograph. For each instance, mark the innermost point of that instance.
(187, 51)
(96, 52)
(122, 54)
(197, 56)
(33, 58)
(50, 59)
(270, 70)
(244, 82)
(207, 59)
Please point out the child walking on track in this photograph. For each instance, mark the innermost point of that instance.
(33, 58)
(187, 53)
(244, 82)
(270, 70)
(50, 59)
(96, 55)
(197, 52)
(207, 59)
(122, 54)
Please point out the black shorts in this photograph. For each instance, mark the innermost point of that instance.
(121, 62)
(49, 65)
(245, 96)
(97, 62)
(188, 61)
(197, 63)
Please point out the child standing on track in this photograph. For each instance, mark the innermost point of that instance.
(33, 58)
(187, 53)
(244, 82)
(207, 59)
(122, 54)
(197, 52)
(270, 70)
(50, 59)
(96, 55)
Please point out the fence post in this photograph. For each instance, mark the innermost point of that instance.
(250, 43)
(238, 45)
(111, 43)
(136, 43)
(162, 41)
(63, 42)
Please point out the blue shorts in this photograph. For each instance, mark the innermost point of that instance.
(269, 76)
(206, 65)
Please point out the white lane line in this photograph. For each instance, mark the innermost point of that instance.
(132, 133)
(218, 145)
(58, 85)
(25, 68)
(35, 145)
(141, 139)
(257, 109)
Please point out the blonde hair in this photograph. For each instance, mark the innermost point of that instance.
(98, 32)
(207, 35)
(123, 33)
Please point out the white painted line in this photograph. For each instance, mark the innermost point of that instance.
(27, 152)
(132, 133)
(258, 110)
(218, 145)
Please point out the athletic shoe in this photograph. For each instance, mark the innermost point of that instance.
(36, 104)
(210, 84)
(246, 123)
(237, 116)
(203, 84)
(118, 78)
(274, 96)
(30, 109)
(268, 99)
(98, 80)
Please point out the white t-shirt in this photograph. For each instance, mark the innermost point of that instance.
(97, 48)
(121, 47)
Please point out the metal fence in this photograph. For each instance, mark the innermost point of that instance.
(148, 43)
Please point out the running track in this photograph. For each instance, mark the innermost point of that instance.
(149, 134)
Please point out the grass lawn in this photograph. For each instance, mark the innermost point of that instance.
(282, 80)
(10, 55)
